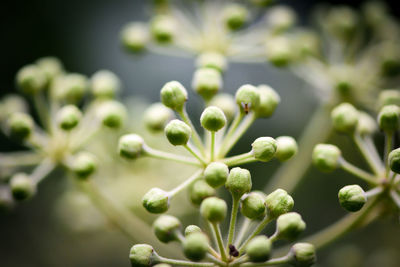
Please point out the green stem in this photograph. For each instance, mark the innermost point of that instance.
(42, 110)
(195, 136)
(154, 153)
(367, 156)
(212, 152)
(396, 198)
(185, 184)
(388, 148)
(358, 172)
(243, 230)
(232, 128)
(276, 261)
(220, 243)
(232, 223)
(184, 263)
(191, 151)
(255, 232)
(25, 158)
(42, 170)
(239, 159)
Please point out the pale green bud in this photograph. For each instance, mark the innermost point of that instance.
(366, 124)
(174, 95)
(235, 16)
(12, 104)
(307, 43)
(213, 209)
(166, 227)
(278, 202)
(68, 117)
(134, 36)
(344, 78)
(388, 118)
(163, 29)
(213, 60)
(51, 67)
(20, 125)
(248, 98)
(72, 87)
(156, 200)
(253, 206)
(31, 79)
(156, 117)
(199, 191)
(286, 147)
(105, 84)
(345, 118)
(216, 174)
(394, 160)
(269, 100)
(130, 146)
(281, 18)
(142, 255)
(238, 182)
(112, 114)
(279, 51)
(191, 229)
(264, 148)
(303, 255)
(177, 132)
(195, 246)
(22, 186)
(207, 82)
(226, 103)
(389, 97)
(213, 119)
(84, 164)
(289, 226)
(341, 22)
(326, 157)
(352, 197)
(259, 249)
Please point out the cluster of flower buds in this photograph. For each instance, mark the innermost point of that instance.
(71, 109)
(361, 127)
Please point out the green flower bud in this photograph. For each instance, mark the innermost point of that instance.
(289, 226)
(68, 117)
(177, 132)
(213, 119)
(341, 22)
(389, 97)
(105, 84)
(394, 160)
(226, 103)
(156, 117)
(259, 249)
(22, 186)
(199, 191)
(212, 60)
(191, 229)
(142, 255)
(195, 246)
(253, 206)
(344, 78)
(51, 67)
(248, 98)
(352, 197)
(112, 114)
(303, 255)
(134, 36)
(72, 87)
(286, 147)
(264, 148)
(130, 146)
(345, 118)
(238, 182)
(366, 124)
(207, 82)
(269, 100)
(20, 125)
(388, 118)
(216, 174)
(213, 209)
(12, 104)
(279, 51)
(174, 95)
(84, 164)
(163, 29)
(235, 16)
(281, 18)
(278, 202)
(156, 200)
(166, 227)
(31, 79)
(326, 157)
(307, 44)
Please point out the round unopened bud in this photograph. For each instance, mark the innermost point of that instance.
(341, 22)
(156, 200)
(213, 119)
(12, 104)
(307, 43)
(281, 18)
(22, 186)
(352, 197)
(216, 174)
(264, 148)
(394, 160)
(389, 118)
(345, 118)
(20, 125)
(105, 84)
(166, 227)
(389, 97)
(226, 103)
(130, 146)
(286, 147)
(84, 164)
(207, 82)
(238, 182)
(289, 226)
(278, 202)
(142, 255)
(177, 132)
(51, 67)
(259, 249)
(191, 229)
(134, 36)
(213, 209)
(326, 157)
(269, 100)
(195, 246)
(156, 117)
(112, 114)
(235, 16)
(366, 124)
(253, 206)
(31, 79)
(68, 117)
(279, 51)
(73, 87)
(163, 29)
(174, 95)
(303, 255)
(344, 79)
(212, 60)
(199, 191)
(248, 98)
(389, 58)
